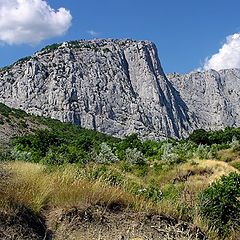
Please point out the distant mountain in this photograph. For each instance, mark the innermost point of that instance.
(212, 97)
(119, 87)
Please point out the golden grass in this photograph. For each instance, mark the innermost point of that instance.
(201, 172)
(228, 155)
(32, 186)
(219, 168)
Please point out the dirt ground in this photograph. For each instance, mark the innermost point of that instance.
(95, 223)
(111, 224)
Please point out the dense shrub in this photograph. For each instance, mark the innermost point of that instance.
(132, 141)
(206, 152)
(220, 203)
(106, 155)
(201, 136)
(235, 144)
(5, 110)
(170, 154)
(151, 191)
(151, 148)
(5, 153)
(51, 47)
(133, 156)
(38, 144)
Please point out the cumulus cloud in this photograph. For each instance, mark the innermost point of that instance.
(93, 33)
(31, 21)
(228, 55)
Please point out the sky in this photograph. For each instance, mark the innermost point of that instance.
(189, 34)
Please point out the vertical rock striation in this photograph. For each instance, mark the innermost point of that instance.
(119, 87)
(113, 86)
(212, 97)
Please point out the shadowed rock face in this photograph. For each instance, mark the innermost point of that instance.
(118, 87)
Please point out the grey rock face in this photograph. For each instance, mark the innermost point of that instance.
(113, 86)
(119, 87)
(213, 98)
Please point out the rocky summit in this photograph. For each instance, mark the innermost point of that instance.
(119, 87)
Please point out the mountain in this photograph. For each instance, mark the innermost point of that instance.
(212, 97)
(119, 87)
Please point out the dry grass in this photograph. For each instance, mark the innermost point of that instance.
(228, 155)
(32, 186)
(201, 172)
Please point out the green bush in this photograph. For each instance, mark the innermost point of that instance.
(53, 158)
(133, 156)
(236, 165)
(132, 141)
(38, 143)
(106, 156)
(151, 148)
(235, 144)
(5, 110)
(51, 47)
(220, 204)
(5, 154)
(199, 136)
(206, 152)
(170, 154)
(151, 191)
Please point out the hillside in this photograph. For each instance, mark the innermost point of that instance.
(59, 179)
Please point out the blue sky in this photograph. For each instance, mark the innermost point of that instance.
(185, 32)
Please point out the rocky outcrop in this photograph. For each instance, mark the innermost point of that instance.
(212, 97)
(119, 87)
(113, 86)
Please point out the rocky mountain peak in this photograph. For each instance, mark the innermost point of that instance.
(118, 87)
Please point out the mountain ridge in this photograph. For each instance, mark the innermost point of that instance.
(114, 86)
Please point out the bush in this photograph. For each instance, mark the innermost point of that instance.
(133, 156)
(132, 141)
(225, 136)
(40, 142)
(235, 144)
(151, 192)
(5, 110)
(21, 155)
(170, 154)
(199, 136)
(53, 158)
(106, 155)
(5, 154)
(221, 205)
(206, 152)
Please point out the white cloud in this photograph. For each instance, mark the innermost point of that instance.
(31, 21)
(93, 33)
(228, 55)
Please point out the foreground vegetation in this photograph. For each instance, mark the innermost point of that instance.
(62, 166)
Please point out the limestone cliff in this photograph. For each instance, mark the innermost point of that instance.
(212, 97)
(114, 86)
(119, 87)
